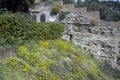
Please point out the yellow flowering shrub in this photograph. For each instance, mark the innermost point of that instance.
(44, 65)
(61, 45)
(44, 44)
(27, 56)
(17, 63)
(79, 59)
(32, 58)
(93, 71)
(22, 51)
(46, 73)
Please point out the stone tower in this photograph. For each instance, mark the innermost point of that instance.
(60, 2)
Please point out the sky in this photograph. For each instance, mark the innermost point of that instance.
(99, 0)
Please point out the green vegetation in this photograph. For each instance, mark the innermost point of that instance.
(56, 9)
(17, 28)
(94, 22)
(68, 1)
(16, 5)
(47, 1)
(53, 60)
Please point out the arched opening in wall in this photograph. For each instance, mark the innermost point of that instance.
(71, 37)
(118, 60)
(42, 18)
(84, 48)
(89, 50)
(119, 44)
(34, 17)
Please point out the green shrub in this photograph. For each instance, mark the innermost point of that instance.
(16, 28)
(94, 22)
(45, 31)
(32, 59)
(56, 9)
(8, 73)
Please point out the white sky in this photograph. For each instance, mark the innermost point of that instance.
(99, 0)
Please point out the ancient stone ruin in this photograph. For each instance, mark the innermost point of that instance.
(44, 11)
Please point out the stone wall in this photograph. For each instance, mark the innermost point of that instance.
(94, 14)
(60, 2)
(72, 8)
(81, 10)
(38, 11)
(104, 42)
(68, 6)
(110, 23)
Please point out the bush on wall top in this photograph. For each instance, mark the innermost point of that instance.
(94, 22)
(56, 9)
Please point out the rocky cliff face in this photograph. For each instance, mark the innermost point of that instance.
(104, 42)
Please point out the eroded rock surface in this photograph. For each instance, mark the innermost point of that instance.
(104, 42)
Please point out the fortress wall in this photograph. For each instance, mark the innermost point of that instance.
(110, 23)
(59, 2)
(81, 10)
(68, 6)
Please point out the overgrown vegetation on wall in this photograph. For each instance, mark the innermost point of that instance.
(56, 9)
(17, 28)
(94, 22)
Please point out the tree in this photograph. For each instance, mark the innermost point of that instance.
(79, 2)
(17, 5)
(68, 1)
(87, 1)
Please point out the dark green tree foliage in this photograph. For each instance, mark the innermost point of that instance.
(68, 1)
(48, 0)
(109, 10)
(16, 5)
